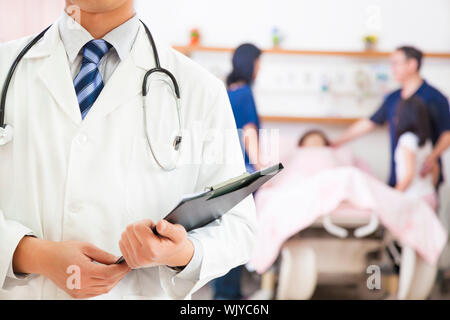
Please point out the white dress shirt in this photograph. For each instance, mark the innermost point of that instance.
(74, 37)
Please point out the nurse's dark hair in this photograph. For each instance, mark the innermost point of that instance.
(317, 132)
(244, 58)
(412, 53)
(412, 116)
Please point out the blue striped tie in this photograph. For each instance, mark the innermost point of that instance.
(89, 83)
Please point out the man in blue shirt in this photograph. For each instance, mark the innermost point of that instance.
(405, 65)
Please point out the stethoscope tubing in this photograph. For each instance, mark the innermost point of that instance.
(11, 74)
(156, 69)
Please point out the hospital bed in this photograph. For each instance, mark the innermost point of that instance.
(334, 250)
(444, 214)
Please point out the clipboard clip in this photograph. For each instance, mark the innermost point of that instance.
(223, 184)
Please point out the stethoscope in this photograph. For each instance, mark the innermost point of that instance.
(6, 130)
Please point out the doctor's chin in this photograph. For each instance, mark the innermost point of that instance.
(226, 155)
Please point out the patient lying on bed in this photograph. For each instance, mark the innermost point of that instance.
(314, 154)
(316, 181)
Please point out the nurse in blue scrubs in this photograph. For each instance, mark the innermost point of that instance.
(246, 62)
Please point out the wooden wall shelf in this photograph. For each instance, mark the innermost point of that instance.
(187, 50)
(317, 120)
(358, 54)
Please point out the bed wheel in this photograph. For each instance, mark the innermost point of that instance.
(298, 272)
(417, 277)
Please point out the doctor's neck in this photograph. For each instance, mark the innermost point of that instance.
(100, 17)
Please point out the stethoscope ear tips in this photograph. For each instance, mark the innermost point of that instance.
(6, 134)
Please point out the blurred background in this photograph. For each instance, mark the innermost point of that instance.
(324, 65)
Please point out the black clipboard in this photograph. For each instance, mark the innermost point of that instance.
(198, 210)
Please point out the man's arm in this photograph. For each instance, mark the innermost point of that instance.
(442, 125)
(358, 129)
(11, 233)
(22, 255)
(364, 126)
(441, 146)
(251, 145)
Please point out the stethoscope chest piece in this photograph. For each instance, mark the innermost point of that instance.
(6, 135)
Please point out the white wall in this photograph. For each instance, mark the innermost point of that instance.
(308, 24)
(291, 85)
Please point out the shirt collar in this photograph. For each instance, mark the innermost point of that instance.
(74, 36)
(423, 85)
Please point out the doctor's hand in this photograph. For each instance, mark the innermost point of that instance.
(61, 261)
(142, 248)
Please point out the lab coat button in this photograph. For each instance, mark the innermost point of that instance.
(82, 139)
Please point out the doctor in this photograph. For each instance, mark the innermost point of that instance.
(80, 184)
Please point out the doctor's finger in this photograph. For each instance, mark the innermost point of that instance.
(99, 255)
(108, 282)
(106, 287)
(174, 232)
(144, 233)
(109, 272)
(99, 283)
(132, 237)
(131, 243)
(127, 253)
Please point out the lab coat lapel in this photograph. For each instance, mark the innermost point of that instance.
(122, 86)
(126, 81)
(55, 73)
(142, 52)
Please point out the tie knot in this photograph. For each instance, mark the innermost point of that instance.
(94, 50)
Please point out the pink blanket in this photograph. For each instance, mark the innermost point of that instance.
(316, 183)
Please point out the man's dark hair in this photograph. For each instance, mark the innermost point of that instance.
(412, 116)
(412, 53)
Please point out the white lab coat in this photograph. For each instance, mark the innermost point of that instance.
(62, 178)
